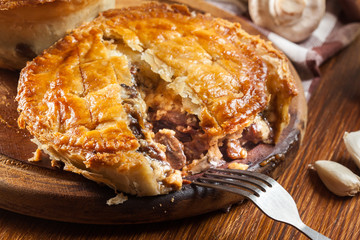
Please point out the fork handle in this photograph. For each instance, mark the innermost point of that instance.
(311, 233)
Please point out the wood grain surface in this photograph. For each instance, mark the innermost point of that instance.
(333, 109)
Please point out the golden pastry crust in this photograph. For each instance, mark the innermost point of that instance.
(29, 27)
(11, 4)
(124, 99)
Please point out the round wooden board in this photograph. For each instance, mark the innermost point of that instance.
(37, 189)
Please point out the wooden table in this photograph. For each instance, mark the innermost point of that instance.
(333, 109)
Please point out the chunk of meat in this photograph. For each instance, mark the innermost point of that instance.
(170, 119)
(152, 150)
(186, 128)
(174, 148)
(258, 131)
(234, 150)
(197, 147)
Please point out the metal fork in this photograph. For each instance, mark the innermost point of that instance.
(268, 195)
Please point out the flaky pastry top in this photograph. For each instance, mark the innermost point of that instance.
(72, 96)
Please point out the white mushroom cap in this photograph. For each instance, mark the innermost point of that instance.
(294, 20)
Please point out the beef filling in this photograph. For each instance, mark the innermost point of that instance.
(234, 149)
(152, 150)
(185, 141)
(259, 131)
(134, 125)
(174, 148)
(149, 148)
(134, 115)
(187, 131)
(175, 135)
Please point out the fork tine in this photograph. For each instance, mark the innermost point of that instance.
(248, 179)
(262, 177)
(224, 187)
(252, 189)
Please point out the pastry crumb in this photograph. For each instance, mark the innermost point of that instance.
(118, 199)
(239, 166)
(36, 157)
(55, 163)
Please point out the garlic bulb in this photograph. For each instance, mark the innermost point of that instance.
(294, 20)
(338, 178)
(352, 143)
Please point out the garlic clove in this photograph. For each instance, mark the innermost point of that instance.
(338, 178)
(352, 143)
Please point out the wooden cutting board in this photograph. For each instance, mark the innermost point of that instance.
(39, 190)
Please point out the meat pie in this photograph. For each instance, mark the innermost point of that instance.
(143, 96)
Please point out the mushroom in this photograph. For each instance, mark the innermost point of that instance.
(294, 20)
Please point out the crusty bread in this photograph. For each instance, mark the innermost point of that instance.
(142, 96)
(29, 27)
